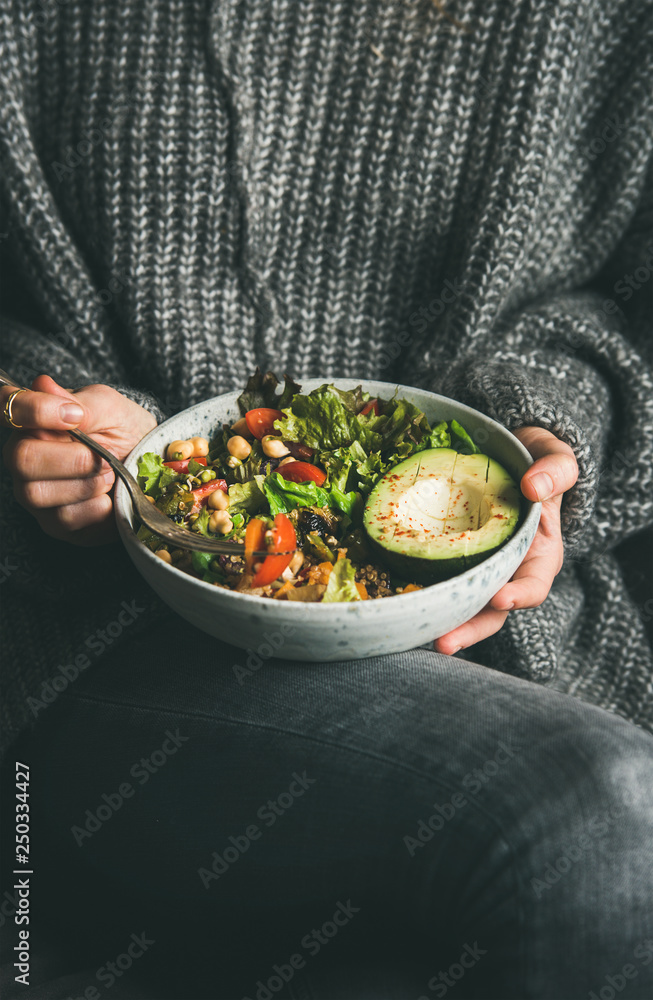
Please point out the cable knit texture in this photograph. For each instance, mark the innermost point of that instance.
(192, 188)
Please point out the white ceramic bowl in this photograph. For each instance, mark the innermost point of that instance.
(301, 631)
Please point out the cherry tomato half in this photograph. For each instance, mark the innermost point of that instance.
(182, 464)
(284, 539)
(373, 404)
(302, 472)
(261, 421)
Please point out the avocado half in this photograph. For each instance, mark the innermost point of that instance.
(439, 512)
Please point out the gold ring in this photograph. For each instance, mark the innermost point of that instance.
(8, 405)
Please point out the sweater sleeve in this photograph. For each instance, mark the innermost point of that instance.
(28, 353)
(571, 364)
(580, 364)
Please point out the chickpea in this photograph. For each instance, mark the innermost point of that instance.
(241, 428)
(218, 500)
(200, 447)
(274, 447)
(286, 461)
(179, 451)
(238, 447)
(220, 522)
(164, 556)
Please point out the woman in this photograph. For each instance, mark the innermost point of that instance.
(450, 198)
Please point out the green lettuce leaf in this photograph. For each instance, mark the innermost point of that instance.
(403, 422)
(352, 467)
(150, 470)
(436, 438)
(462, 441)
(167, 476)
(290, 389)
(201, 525)
(371, 470)
(348, 503)
(342, 466)
(247, 498)
(326, 419)
(342, 583)
(261, 390)
(338, 465)
(283, 496)
(204, 566)
(154, 476)
(356, 452)
(439, 436)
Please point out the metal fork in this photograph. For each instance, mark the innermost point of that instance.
(148, 514)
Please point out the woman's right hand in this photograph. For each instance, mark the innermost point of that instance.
(60, 481)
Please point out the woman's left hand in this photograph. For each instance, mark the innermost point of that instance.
(553, 472)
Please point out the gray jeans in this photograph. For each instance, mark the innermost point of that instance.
(406, 827)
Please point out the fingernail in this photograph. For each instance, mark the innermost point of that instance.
(456, 650)
(71, 413)
(543, 485)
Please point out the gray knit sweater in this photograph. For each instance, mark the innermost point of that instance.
(461, 201)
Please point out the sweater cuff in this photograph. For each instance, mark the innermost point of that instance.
(567, 401)
(148, 400)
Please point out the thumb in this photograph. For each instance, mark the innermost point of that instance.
(44, 383)
(554, 470)
(71, 413)
(45, 406)
(90, 408)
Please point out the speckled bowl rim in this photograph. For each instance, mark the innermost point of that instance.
(123, 506)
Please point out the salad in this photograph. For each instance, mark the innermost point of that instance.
(292, 476)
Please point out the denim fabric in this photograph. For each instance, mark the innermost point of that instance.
(407, 827)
